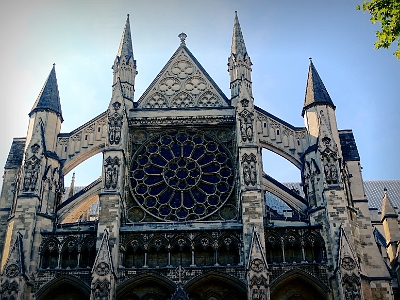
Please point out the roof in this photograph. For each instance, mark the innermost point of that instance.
(316, 93)
(348, 145)
(16, 154)
(49, 98)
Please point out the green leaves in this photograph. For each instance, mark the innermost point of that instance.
(387, 13)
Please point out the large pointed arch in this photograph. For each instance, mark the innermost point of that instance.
(65, 282)
(300, 284)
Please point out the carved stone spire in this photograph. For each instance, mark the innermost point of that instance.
(125, 47)
(71, 189)
(239, 63)
(388, 210)
(316, 92)
(124, 67)
(49, 98)
(238, 45)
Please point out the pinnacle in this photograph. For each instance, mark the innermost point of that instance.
(387, 207)
(49, 98)
(238, 45)
(125, 47)
(316, 92)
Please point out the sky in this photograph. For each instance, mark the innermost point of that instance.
(82, 39)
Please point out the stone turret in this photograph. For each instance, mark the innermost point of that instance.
(239, 63)
(390, 226)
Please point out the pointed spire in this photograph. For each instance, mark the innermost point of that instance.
(388, 210)
(71, 190)
(316, 92)
(238, 45)
(49, 98)
(125, 47)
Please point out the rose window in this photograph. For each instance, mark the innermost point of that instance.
(182, 175)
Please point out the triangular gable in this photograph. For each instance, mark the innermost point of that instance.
(183, 83)
(15, 264)
(347, 260)
(256, 261)
(103, 264)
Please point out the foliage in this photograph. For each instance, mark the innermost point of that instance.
(387, 13)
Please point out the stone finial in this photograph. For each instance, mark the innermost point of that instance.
(182, 36)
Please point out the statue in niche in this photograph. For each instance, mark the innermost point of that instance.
(330, 171)
(246, 126)
(249, 169)
(111, 169)
(114, 128)
(31, 174)
(101, 290)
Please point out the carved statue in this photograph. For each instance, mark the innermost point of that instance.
(249, 169)
(246, 126)
(111, 171)
(114, 130)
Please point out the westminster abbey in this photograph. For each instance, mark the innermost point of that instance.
(182, 203)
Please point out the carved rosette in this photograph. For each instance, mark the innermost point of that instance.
(249, 169)
(111, 170)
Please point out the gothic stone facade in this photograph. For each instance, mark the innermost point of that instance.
(182, 211)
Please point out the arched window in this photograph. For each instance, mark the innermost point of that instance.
(88, 254)
(274, 249)
(69, 255)
(228, 252)
(49, 257)
(293, 252)
(181, 254)
(204, 253)
(134, 256)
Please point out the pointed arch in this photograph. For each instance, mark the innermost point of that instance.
(301, 284)
(64, 283)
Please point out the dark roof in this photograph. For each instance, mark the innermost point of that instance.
(316, 92)
(348, 145)
(49, 98)
(14, 159)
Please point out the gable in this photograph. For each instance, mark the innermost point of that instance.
(182, 83)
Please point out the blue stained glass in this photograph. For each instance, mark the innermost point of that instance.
(190, 181)
(157, 189)
(198, 195)
(182, 213)
(191, 217)
(151, 201)
(181, 137)
(134, 166)
(142, 151)
(199, 209)
(176, 200)
(152, 148)
(187, 149)
(140, 199)
(208, 139)
(173, 182)
(211, 178)
(182, 173)
(212, 147)
(166, 153)
(165, 210)
(191, 166)
(230, 180)
(182, 184)
(141, 189)
(173, 166)
(153, 211)
(207, 188)
(150, 180)
(223, 197)
(211, 168)
(222, 187)
(143, 160)
(198, 152)
(194, 173)
(221, 158)
(166, 140)
(169, 174)
(156, 159)
(188, 201)
(209, 157)
(133, 183)
(225, 172)
(213, 200)
(229, 164)
(154, 170)
(221, 149)
(182, 162)
(176, 149)
(198, 139)
(172, 218)
(164, 197)
(139, 174)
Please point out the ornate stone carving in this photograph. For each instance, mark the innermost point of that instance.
(208, 99)
(31, 174)
(257, 265)
(156, 100)
(348, 263)
(199, 120)
(35, 148)
(182, 100)
(195, 85)
(111, 170)
(182, 69)
(114, 128)
(244, 102)
(249, 167)
(102, 269)
(101, 290)
(351, 287)
(12, 270)
(169, 86)
(246, 125)
(9, 290)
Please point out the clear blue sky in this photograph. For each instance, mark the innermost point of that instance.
(82, 38)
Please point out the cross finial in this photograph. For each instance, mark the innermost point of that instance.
(182, 36)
